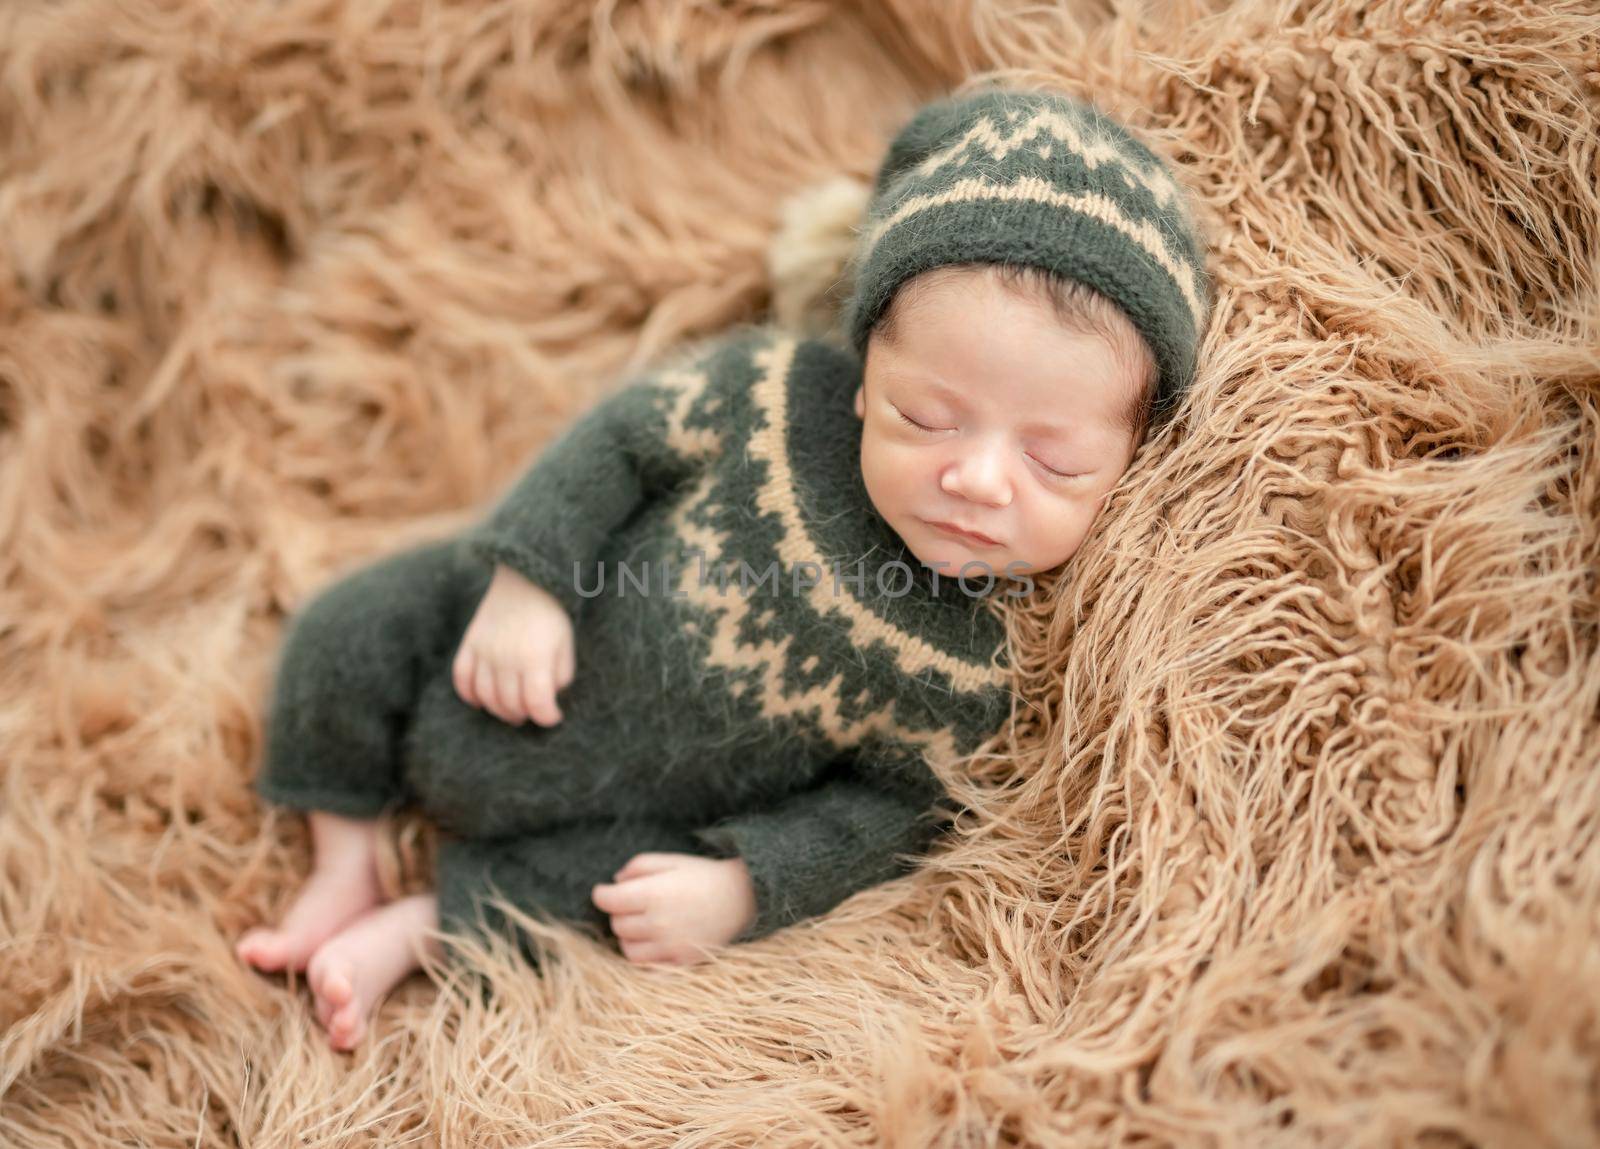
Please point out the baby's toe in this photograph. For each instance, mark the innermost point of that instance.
(347, 1026)
(324, 1009)
(264, 949)
(317, 971)
(336, 986)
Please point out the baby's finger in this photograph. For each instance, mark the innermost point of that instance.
(645, 952)
(631, 898)
(531, 700)
(485, 684)
(641, 864)
(508, 687)
(633, 927)
(540, 694)
(462, 673)
(567, 664)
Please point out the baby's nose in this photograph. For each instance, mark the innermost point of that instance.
(981, 477)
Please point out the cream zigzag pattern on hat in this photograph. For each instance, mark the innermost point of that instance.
(1094, 149)
(1031, 189)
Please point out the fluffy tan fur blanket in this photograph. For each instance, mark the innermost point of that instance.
(1297, 839)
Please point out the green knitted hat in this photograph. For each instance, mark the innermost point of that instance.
(1024, 177)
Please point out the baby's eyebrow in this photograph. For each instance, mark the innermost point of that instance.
(1054, 429)
(943, 388)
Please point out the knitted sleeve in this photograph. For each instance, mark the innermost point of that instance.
(552, 523)
(860, 826)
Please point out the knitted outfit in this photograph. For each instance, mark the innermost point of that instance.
(763, 669)
(784, 722)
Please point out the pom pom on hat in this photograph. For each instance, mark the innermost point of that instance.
(808, 259)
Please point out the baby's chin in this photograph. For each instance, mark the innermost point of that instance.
(940, 552)
(948, 556)
(951, 557)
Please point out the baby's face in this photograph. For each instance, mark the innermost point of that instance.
(1019, 436)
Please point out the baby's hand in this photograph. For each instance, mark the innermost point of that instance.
(673, 907)
(517, 652)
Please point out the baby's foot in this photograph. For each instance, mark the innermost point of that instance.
(352, 971)
(338, 891)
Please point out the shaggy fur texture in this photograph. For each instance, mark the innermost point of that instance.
(1298, 840)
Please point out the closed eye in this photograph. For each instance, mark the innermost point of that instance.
(904, 418)
(1058, 474)
(1046, 467)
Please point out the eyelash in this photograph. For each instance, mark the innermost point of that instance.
(1049, 470)
(1053, 472)
(904, 418)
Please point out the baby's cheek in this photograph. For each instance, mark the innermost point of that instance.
(1057, 532)
(884, 470)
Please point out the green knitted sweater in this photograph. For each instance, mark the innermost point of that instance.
(759, 657)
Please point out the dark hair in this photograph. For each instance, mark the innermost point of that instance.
(1078, 307)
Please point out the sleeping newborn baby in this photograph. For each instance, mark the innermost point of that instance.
(688, 682)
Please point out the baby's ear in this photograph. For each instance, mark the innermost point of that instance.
(861, 410)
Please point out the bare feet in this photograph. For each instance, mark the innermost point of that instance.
(353, 971)
(342, 886)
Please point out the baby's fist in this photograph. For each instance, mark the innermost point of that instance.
(517, 652)
(675, 907)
